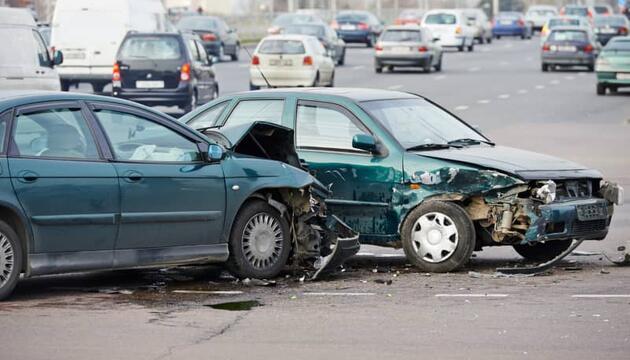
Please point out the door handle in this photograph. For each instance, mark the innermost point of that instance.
(132, 176)
(27, 176)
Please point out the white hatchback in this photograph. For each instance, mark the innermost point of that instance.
(290, 61)
(451, 27)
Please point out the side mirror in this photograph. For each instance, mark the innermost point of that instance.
(215, 153)
(57, 58)
(364, 142)
(436, 39)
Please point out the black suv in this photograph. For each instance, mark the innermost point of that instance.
(167, 69)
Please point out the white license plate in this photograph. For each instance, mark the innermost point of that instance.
(145, 84)
(505, 22)
(348, 27)
(400, 49)
(608, 31)
(278, 62)
(565, 48)
(74, 55)
(623, 76)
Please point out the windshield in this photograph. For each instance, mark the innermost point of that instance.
(568, 35)
(441, 19)
(578, 11)
(617, 45)
(197, 23)
(610, 20)
(410, 14)
(402, 36)
(563, 22)
(288, 19)
(416, 122)
(151, 47)
(282, 47)
(317, 31)
(601, 9)
(541, 12)
(352, 17)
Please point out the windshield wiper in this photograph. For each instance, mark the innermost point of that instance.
(431, 146)
(469, 141)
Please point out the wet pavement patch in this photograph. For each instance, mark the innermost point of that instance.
(236, 305)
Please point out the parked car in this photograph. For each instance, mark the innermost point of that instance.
(164, 69)
(290, 60)
(283, 20)
(609, 26)
(407, 46)
(569, 46)
(335, 47)
(409, 17)
(89, 33)
(357, 26)
(405, 172)
(613, 65)
(482, 26)
(538, 15)
(563, 20)
(511, 24)
(98, 183)
(25, 62)
(218, 38)
(451, 28)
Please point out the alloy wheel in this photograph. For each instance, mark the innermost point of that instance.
(6, 259)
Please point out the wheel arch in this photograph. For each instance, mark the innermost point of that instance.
(457, 198)
(19, 223)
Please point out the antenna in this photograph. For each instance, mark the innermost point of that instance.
(258, 67)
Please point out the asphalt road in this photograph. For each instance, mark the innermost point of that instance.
(379, 307)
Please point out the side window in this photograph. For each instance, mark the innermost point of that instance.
(194, 53)
(209, 117)
(248, 111)
(134, 138)
(4, 121)
(55, 133)
(42, 52)
(202, 53)
(321, 127)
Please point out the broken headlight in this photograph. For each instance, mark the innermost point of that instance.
(546, 192)
(612, 192)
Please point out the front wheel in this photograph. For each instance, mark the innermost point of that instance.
(260, 242)
(438, 236)
(543, 251)
(471, 47)
(545, 67)
(601, 89)
(10, 260)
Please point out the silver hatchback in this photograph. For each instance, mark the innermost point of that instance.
(407, 46)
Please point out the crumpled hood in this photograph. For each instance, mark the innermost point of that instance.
(526, 165)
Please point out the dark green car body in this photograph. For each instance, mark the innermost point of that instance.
(613, 65)
(374, 191)
(97, 209)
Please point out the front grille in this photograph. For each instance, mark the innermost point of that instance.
(581, 188)
(585, 227)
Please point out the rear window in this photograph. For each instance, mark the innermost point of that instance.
(563, 22)
(282, 47)
(578, 11)
(352, 17)
(402, 35)
(508, 16)
(568, 35)
(541, 12)
(610, 20)
(601, 10)
(317, 31)
(618, 45)
(151, 47)
(441, 19)
(197, 23)
(288, 19)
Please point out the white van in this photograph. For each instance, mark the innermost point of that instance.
(24, 61)
(451, 27)
(90, 31)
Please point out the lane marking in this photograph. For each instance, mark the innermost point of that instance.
(484, 101)
(600, 296)
(581, 73)
(539, 87)
(554, 82)
(569, 77)
(358, 67)
(365, 254)
(439, 77)
(337, 294)
(474, 69)
(394, 87)
(243, 65)
(522, 91)
(461, 107)
(472, 295)
(504, 96)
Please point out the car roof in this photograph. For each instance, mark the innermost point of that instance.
(287, 37)
(16, 16)
(353, 94)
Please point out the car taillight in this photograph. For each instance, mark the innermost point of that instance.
(363, 26)
(334, 24)
(546, 47)
(308, 60)
(590, 14)
(399, 21)
(255, 60)
(378, 47)
(623, 31)
(423, 49)
(116, 72)
(209, 37)
(184, 74)
(521, 22)
(588, 48)
(458, 30)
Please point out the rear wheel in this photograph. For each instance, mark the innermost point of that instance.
(332, 80)
(543, 251)
(237, 50)
(97, 87)
(460, 48)
(471, 47)
(192, 103)
(591, 68)
(498, 37)
(428, 66)
(545, 67)
(601, 89)
(260, 242)
(342, 58)
(489, 40)
(438, 236)
(480, 40)
(438, 66)
(10, 260)
(65, 85)
(378, 69)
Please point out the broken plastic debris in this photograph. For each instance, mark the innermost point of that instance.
(258, 282)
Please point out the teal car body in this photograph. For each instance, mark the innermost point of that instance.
(91, 182)
(613, 65)
(377, 177)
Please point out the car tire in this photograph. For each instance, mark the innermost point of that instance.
(342, 58)
(438, 229)
(370, 41)
(438, 66)
(378, 69)
(543, 251)
(260, 242)
(460, 48)
(192, 103)
(489, 40)
(316, 81)
(65, 85)
(498, 37)
(591, 68)
(613, 89)
(471, 47)
(545, 67)
(481, 40)
(601, 89)
(237, 50)
(428, 66)
(11, 258)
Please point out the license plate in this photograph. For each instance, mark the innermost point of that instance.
(592, 212)
(348, 27)
(400, 49)
(145, 84)
(623, 76)
(565, 48)
(74, 55)
(505, 22)
(608, 31)
(278, 62)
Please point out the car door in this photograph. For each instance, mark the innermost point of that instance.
(45, 74)
(201, 71)
(169, 196)
(67, 189)
(361, 183)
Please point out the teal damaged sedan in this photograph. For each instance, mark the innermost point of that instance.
(613, 65)
(405, 172)
(93, 183)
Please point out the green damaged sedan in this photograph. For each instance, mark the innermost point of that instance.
(404, 172)
(96, 183)
(613, 65)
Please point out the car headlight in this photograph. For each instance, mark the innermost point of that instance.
(602, 65)
(546, 192)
